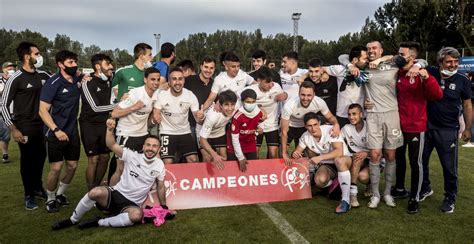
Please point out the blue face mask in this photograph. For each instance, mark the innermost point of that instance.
(249, 107)
(400, 61)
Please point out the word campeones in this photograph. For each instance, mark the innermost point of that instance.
(229, 181)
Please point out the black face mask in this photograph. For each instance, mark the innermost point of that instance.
(400, 61)
(70, 70)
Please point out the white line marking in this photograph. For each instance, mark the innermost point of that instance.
(285, 227)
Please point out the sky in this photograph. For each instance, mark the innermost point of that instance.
(112, 24)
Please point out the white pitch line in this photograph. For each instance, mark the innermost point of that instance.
(282, 224)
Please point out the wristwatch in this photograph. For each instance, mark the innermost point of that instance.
(56, 129)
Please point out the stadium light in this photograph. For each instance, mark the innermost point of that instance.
(295, 17)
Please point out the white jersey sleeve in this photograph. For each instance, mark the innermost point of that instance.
(131, 99)
(320, 105)
(209, 124)
(337, 70)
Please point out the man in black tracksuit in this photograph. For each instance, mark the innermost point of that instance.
(24, 89)
(96, 106)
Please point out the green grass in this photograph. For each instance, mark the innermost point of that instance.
(313, 218)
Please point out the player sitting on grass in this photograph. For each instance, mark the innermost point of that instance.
(241, 141)
(322, 150)
(213, 132)
(141, 171)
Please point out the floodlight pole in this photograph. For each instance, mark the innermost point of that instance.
(157, 39)
(295, 17)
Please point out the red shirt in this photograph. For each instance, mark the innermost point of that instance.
(412, 95)
(246, 128)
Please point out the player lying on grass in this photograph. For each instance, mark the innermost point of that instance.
(123, 201)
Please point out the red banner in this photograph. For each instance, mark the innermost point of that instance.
(201, 185)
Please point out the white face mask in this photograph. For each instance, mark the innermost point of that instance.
(147, 65)
(249, 107)
(103, 76)
(448, 73)
(39, 62)
(10, 73)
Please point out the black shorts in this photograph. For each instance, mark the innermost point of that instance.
(93, 138)
(248, 156)
(63, 150)
(172, 144)
(294, 134)
(217, 142)
(272, 138)
(116, 202)
(131, 142)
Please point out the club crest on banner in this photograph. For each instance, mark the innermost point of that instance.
(296, 175)
(170, 183)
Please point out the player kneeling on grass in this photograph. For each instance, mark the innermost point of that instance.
(241, 141)
(323, 150)
(141, 171)
(213, 132)
(355, 137)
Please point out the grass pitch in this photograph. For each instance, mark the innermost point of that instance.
(314, 218)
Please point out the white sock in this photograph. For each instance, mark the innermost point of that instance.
(374, 171)
(390, 174)
(62, 188)
(344, 178)
(120, 220)
(354, 190)
(328, 184)
(84, 205)
(51, 195)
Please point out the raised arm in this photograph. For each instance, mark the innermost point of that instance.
(110, 140)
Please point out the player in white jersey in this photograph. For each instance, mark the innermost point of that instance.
(123, 201)
(290, 74)
(133, 113)
(213, 132)
(291, 122)
(233, 79)
(323, 149)
(171, 112)
(355, 137)
(269, 94)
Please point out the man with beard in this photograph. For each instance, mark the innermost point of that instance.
(58, 109)
(168, 56)
(24, 90)
(95, 110)
(259, 59)
(133, 113)
(290, 74)
(291, 122)
(171, 111)
(123, 201)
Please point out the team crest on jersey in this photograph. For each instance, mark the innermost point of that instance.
(325, 91)
(153, 173)
(184, 105)
(452, 86)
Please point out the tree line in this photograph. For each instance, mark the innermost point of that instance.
(432, 23)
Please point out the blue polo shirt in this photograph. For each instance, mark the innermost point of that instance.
(444, 113)
(64, 99)
(162, 67)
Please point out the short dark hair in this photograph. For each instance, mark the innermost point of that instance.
(98, 58)
(259, 54)
(208, 59)
(140, 49)
(311, 115)
(151, 70)
(64, 55)
(315, 62)
(186, 64)
(291, 55)
(355, 105)
(413, 46)
(308, 84)
(227, 96)
(175, 69)
(152, 137)
(356, 52)
(222, 56)
(248, 93)
(264, 73)
(231, 57)
(167, 49)
(23, 49)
